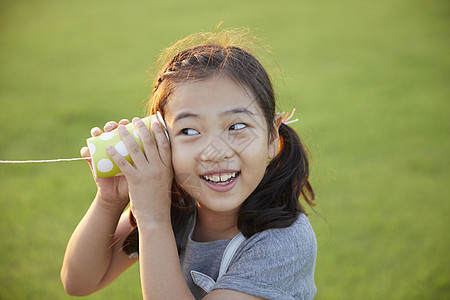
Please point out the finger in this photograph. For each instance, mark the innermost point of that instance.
(137, 156)
(146, 137)
(124, 122)
(121, 162)
(96, 131)
(86, 154)
(162, 143)
(111, 125)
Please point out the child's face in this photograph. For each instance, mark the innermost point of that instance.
(220, 142)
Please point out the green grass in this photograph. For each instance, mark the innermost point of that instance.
(370, 81)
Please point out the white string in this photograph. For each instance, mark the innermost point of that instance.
(41, 160)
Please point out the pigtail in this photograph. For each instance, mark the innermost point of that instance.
(275, 202)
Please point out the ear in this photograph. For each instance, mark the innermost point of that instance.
(275, 140)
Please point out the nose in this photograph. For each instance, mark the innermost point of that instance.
(216, 150)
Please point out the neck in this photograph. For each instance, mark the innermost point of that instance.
(212, 226)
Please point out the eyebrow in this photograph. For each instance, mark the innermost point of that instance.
(184, 116)
(237, 110)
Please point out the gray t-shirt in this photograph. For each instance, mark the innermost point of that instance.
(273, 264)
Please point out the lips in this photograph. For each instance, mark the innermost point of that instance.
(221, 181)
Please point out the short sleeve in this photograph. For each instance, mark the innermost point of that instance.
(275, 264)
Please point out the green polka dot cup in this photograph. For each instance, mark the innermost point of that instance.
(102, 164)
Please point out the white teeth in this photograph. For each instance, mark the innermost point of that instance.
(220, 178)
(225, 177)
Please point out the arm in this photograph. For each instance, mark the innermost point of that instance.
(93, 256)
(161, 276)
(151, 174)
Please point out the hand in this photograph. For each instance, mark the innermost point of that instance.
(112, 189)
(150, 178)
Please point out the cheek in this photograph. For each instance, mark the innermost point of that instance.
(184, 167)
(257, 149)
(178, 160)
(255, 158)
(240, 142)
(184, 159)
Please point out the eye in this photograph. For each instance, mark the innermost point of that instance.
(237, 126)
(189, 131)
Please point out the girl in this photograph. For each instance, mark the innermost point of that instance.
(215, 211)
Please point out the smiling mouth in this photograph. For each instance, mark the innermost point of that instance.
(221, 179)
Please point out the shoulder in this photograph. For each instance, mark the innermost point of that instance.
(298, 238)
(276, 263)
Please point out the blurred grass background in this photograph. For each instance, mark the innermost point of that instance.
(369, 79)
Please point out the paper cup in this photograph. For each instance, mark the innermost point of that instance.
(102, 164)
